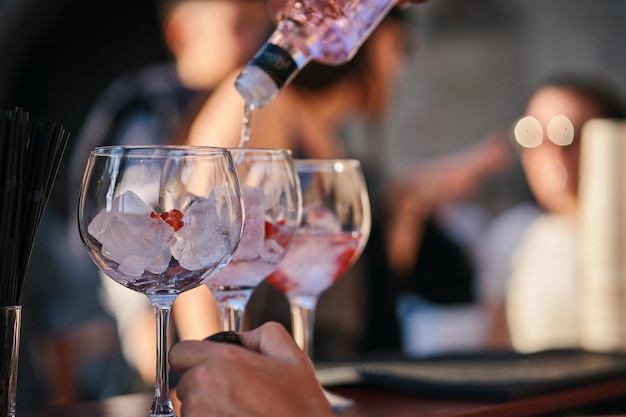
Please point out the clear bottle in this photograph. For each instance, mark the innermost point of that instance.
(326, 31)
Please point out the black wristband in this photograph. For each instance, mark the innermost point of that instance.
(225, 337)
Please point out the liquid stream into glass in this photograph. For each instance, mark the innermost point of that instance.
(247, 125)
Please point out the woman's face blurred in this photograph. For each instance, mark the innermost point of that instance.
(211, 38)
(551, 164)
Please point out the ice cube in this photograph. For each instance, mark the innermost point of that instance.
(273, 252)
(278, 237)
(319, 218)
(207, 237)
(252, 239)
(160, 263)
(130, 203)
(307, 265)
(132, 237)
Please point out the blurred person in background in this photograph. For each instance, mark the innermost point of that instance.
(540, 302)
(532, 292)
(314, 116)
(434, 222)
(154, 105)
(519, 261)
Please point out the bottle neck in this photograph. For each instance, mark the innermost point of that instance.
(274, 66)
(285, 53)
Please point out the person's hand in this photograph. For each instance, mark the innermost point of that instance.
(269, 377)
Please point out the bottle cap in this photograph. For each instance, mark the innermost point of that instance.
(256, 87)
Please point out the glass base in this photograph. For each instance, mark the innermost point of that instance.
(10, 324)
(162, 408)
(338, 402)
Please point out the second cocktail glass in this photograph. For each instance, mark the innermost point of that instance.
(272, 202)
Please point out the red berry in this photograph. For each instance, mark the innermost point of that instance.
(173, 217)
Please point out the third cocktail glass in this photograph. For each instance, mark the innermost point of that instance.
(333, 231)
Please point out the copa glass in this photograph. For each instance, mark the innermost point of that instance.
(160, 220)
(334, 228)
(271, 194)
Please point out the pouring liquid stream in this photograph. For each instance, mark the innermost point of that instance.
(247, 122)
(245, 130)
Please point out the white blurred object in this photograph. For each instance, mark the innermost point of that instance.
(602, 208)
(429, 329)
(542, 294)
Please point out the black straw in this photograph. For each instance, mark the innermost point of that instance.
(30, 156)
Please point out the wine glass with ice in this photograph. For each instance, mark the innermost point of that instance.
(160, 220)
(271, 194)
(334, 228)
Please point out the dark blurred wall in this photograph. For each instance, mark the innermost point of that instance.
(57, 56)
(478, 60)
(475, 63)
(77, 49)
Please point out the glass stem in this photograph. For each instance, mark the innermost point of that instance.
(162, 403)
(232, 317)
(232, 307)
(302, 321)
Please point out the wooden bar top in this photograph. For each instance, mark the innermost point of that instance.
(381, 403)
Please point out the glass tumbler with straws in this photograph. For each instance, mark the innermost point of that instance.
(160, 220)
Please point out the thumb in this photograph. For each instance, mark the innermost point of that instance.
(272, 339)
